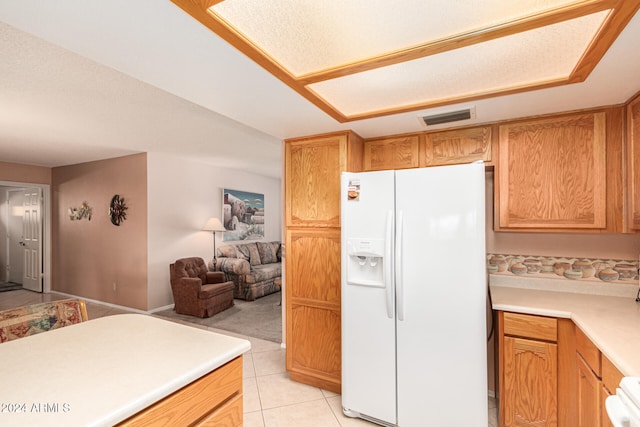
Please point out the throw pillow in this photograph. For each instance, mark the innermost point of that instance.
(250, 252)
(267, 255)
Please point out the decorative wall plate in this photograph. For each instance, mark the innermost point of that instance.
(117, 210)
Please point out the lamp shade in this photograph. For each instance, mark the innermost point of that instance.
(213, 224)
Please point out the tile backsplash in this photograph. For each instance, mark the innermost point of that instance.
(606, 270)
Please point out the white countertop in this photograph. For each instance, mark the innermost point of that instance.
(607, 313)
(100, 372)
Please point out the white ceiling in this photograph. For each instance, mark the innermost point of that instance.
(83, 80)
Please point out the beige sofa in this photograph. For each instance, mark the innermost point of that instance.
(254, 268)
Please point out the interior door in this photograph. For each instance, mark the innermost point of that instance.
(32, 240)
(15, 248)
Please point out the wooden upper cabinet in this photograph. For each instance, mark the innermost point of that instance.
(400, 152)
(312, 170)
(551, 173)
(457, 146)
(632, 180)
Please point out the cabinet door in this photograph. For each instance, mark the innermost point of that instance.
(530, 383)
(605, 421)
(391, 153)
(457, 146)
(589, 389)
(633, 165)
(313, 307)
(551, 173)
(312, 183)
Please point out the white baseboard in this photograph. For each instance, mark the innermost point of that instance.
(121, 307)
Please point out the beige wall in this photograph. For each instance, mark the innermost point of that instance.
(183, 194)
(24, 173)
(89, 257)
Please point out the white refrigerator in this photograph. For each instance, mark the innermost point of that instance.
(414, 296)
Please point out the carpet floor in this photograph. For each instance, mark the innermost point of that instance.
(261, 318)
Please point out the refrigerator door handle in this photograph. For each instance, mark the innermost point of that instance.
(399, 267)
(388, 277)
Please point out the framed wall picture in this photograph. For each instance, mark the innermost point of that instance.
(242, 215)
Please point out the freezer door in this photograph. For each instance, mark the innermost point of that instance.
(368, 324)
(440, 282)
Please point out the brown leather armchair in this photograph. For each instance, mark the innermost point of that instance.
(197, 291)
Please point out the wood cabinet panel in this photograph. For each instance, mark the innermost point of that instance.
(457, 146)
(312, 181)
(315, 357)
(207, 397)
(551, 173)
(313, 266)
(399, 152)
(604, 418)
(588, 351)
(633, 165)
(529, 383)
(312, 263)
(611, 376)
(588, 394)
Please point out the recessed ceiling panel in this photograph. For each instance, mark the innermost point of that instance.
(307, 36)
(545, 54)
(358, 59)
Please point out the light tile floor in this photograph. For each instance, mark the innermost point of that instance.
(271, 399)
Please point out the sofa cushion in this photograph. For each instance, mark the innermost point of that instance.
(249, 252)
(227, 251)
(263, 272)
(233, 265)
(267, 253)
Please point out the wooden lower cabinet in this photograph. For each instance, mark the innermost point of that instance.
(530, 383)
(551, 374)
(536, 371)
(611, 378)
(313, 307)
(588, 395)
(528, 371)
(213, 400)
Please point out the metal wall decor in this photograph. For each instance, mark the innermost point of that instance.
(117, 210)
(82, 212)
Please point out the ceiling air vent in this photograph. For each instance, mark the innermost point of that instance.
(451, 116)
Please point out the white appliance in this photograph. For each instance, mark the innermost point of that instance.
(414, 296)
(623, 408)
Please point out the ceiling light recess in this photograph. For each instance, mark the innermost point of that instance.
(359, 45)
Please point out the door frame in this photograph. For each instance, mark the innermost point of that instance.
(46, 228)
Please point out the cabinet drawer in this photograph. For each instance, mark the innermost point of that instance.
(588, 351)
(611, 376)
(529, 326)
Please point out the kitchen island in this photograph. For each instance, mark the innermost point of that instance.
(129, 368)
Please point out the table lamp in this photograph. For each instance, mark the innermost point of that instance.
(214, 225)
